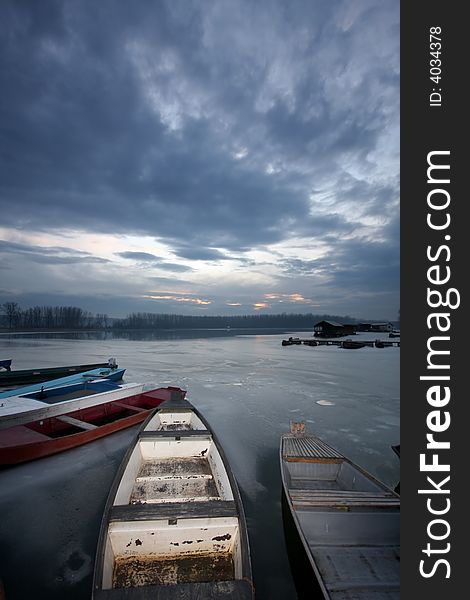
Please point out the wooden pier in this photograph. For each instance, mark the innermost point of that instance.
(350, 344)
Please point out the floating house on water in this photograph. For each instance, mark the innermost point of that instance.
(332, 329)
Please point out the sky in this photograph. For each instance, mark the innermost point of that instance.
(200, 157)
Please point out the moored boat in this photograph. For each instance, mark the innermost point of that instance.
(348, 522)
(174, 525)
(39, 375)
(51, 435)
(110, 373)
(291, 342)
(352, 344)
(25, 408)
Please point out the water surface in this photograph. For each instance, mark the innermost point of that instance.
(248, 387)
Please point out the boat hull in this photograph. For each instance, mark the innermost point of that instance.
(29, 376)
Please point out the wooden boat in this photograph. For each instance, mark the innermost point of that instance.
(26, 408)
(352, 344)
(174, 525)
(348, 522)
(26, 376)
(55, 434)
(111, 373)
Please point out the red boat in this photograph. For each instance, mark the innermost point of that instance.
(52, 435)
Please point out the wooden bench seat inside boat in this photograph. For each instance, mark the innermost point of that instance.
(184, 510)
(174, 480)
(333, 498)
(76, 422)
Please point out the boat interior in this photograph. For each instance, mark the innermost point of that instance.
(175, 420)
(71, 391)
(351, 526)
(174, 519)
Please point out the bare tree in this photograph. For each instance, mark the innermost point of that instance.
(12, 312)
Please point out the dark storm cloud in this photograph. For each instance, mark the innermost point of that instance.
(217, 128)
(366, 198)
(54, 255)
(82, 135)
(66, 260)
(142, 256)
(15, 247)
(167, 281)
(147, 258)
(120, 116)
(198, 253)
(353, 265)
(174, 267)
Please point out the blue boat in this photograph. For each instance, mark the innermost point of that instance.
(107, 373)
(21, 377)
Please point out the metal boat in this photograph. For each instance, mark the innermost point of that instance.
(348, 521)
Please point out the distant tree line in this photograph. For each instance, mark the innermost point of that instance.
(164, 321)
(72, 317)
(51, 317)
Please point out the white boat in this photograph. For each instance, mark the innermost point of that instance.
(42, 404)
(348, 522)
(174, 525)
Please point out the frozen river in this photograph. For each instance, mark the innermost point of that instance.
(248, 387)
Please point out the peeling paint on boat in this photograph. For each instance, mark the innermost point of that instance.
(167, 532)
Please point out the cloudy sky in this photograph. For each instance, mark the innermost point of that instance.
(200, 157)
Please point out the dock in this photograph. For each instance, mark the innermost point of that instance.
(343, 343)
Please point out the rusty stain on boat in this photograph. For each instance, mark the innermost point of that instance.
(222, 538)
(149, 570)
